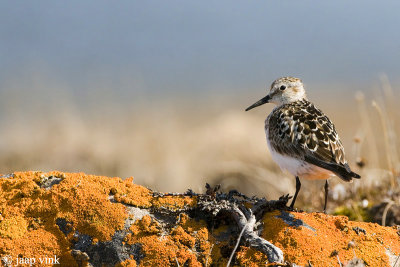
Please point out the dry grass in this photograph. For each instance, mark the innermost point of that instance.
(178, 145)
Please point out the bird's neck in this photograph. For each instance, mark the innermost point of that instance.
(292, 101)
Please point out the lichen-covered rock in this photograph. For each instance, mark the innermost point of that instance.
(322, 239)
(87, 220)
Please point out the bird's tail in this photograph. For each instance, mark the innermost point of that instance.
(348, 176)
(342, 170)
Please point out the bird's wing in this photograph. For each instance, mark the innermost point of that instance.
(301, 130)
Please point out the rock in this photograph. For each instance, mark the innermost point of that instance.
(85, 220)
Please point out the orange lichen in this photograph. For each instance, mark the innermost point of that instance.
(129, 193)
(127, 263)
(251, 257)
(36, 244)
(13, 227)
(330, 236)
(145, 226)
(189, 242)
(30, 212)
(173, 202)
(181, 236)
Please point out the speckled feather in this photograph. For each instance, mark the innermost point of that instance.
(300, 130)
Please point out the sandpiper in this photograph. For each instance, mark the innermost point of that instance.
(301, 138)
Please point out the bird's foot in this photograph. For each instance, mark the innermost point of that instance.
(289, 208)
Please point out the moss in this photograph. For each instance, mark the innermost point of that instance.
(352, 214)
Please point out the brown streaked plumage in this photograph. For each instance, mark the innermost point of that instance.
(302, 131)
(301, 138)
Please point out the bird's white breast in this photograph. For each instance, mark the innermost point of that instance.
(297, 167)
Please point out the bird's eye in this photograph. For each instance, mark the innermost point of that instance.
(282, 87)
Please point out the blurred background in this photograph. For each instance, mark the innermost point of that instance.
(157, 89)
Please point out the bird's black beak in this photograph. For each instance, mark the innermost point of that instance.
(260, 102)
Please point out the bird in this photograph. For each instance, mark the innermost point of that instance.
(301, 138)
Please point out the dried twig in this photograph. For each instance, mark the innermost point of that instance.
(250, 223)
(245, 218)
(387, 144)
(209, 254)
(385, 211)
(398, 257)
(340, 263)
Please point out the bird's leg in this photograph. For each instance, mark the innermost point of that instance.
(298, 185)
(326, 194)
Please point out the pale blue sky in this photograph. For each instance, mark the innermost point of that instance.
(166, 47)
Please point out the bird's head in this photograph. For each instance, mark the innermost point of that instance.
(283, 91)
